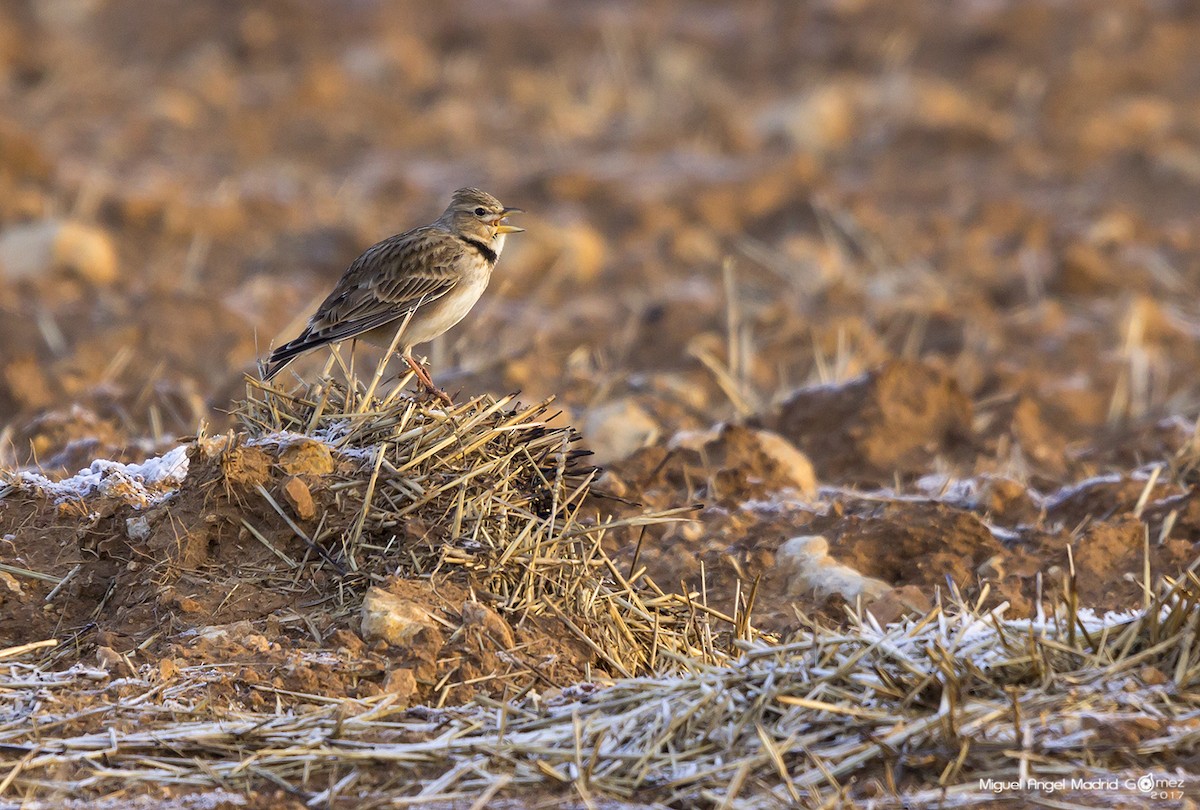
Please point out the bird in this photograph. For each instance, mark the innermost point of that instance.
(418, 283)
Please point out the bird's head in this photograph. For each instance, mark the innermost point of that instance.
(477, 214)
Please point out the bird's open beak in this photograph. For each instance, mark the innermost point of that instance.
(504, 227)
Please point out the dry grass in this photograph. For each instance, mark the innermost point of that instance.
(702, 710)
(918, 712)
(499, 495)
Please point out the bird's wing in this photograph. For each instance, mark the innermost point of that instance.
(387, 282)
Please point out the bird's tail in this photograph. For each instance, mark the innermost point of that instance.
(284, 355)
(272, 367)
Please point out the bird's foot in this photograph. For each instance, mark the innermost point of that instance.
(426, 382)
(441, 395)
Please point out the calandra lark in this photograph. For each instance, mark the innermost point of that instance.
(419, 283)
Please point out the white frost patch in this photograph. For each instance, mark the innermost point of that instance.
(976, 638)
(331, 436)
(781, 502)
(142, 484)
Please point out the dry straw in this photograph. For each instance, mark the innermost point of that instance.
(489, 491)
(921, 713)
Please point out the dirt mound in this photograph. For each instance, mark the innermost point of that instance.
(443, 553)
(893, 420)
(1016, 539)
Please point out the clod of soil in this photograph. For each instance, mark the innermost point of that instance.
(895, 419)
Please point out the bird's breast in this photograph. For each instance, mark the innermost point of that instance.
(436, 317)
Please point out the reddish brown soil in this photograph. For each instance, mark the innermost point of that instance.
(950, 254)
(206, 582)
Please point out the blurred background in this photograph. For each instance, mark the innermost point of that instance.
(726, 201)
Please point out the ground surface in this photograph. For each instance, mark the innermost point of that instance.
(918, 278)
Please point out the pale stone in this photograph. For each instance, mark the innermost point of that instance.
(31, 250)
(137, 528)
(296, 493)
(393, 619)
(616, 429)
(809, 570)
(306, 456)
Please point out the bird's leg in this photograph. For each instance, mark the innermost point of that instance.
(422, 375)
(426, 381)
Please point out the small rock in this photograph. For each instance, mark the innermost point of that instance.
(189, 605)
(348, 641)
(739, 463)
(1128, 122)
(898, 602)
(824, 119)
(28, 383)
(761, 456)
(616, 429)
(306, 457)
(167, 669)
(893, 419)
(296, 492)
(109, 659)
(10, 583)
(1152, 676)
(809, 570)
(393, 619)
(401, 682)
(245, 467)
(224, 633)
(137, 528)
(31, 250)
(1084, 269)
(476, 615)
(239, 634)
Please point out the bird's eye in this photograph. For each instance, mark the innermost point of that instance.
(480, 212)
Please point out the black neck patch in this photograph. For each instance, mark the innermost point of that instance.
(482, 249)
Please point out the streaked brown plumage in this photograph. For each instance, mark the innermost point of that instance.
(422, 282)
